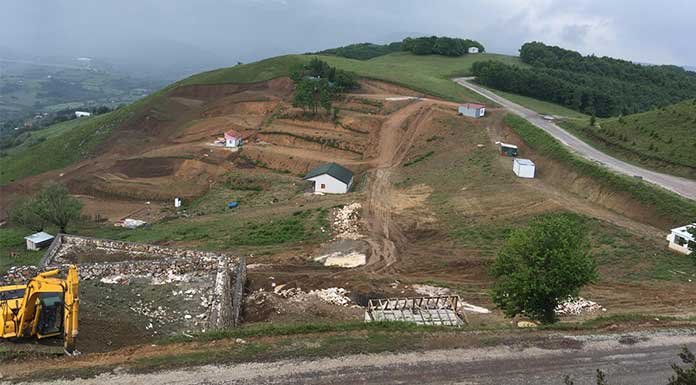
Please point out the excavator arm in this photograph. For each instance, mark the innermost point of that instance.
(71, 312)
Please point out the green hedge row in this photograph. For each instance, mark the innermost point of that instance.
(669, 205)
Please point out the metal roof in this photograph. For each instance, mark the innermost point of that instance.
(508, 145)
(232, 134)
(337, 171)
(39, 237)
(524, 162)
(473, 105)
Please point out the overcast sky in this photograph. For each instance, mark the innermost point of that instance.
(216, 33)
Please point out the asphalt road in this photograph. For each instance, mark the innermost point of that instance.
(681, 186)
(641, 358)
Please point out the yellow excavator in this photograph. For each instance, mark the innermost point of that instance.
(47, 306)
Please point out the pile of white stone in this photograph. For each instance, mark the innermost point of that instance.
(577, 306)
(346, 222)
(332, 295)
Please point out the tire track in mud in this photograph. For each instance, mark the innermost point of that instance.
(385, 237)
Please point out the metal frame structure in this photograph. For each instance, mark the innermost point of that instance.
(437, 311)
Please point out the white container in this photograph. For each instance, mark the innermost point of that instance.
(523, 168)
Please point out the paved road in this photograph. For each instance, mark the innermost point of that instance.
(681, 186)
(641, 358)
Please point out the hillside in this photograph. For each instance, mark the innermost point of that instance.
(662, 139)
(79, 140)
(431, 205)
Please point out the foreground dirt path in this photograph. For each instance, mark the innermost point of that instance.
(681, 186)
(638, 358)
(396, 138)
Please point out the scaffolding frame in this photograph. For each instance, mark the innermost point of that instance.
(436, 311)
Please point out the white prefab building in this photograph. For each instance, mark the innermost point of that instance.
(38, 241)
(472, 110)
(330, 178)
(233, 139)
(473, 50)
(679, 239)
(79, 114)
(524, 168)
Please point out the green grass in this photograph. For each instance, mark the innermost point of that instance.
(429, 74)
(540, 106)
(667, 204)
(662, 139)
(224, 231)
(12, 241)
(68, 142)
(249, 73)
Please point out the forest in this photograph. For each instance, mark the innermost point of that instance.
(600, 86)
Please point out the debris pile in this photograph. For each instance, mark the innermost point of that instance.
(346, 222)
(332, 295)
(19, 274)
(577, 306)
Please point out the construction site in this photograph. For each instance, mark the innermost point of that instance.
(432, 202)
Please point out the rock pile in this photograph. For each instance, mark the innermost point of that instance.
(333, 295)
(346, 222)
(577, 306)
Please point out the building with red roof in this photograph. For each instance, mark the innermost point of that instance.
(233, 138)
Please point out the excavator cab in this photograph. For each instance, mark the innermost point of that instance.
(50, 310)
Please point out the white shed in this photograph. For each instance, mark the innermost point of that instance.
(472, 110)
(473, 50)
(38, 241)
(679, 239)
(233, 139)
(79, 114)
(524, 168)
(330, 178)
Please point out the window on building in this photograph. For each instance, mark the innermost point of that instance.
(679, 240)
(323, 186)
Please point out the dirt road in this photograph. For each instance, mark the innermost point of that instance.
(396, 137)
(639, 358)
(681, 186)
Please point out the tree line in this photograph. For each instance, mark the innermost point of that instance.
(600, 86)
(442, 45)
(317, 83)
(425, 45)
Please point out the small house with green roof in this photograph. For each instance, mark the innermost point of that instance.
(330, 178)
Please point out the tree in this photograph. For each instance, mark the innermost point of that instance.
(542, 264)
(593, 120)
(26, 213)
(312, 94)
(55, 205)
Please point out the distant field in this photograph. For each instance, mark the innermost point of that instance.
(662, 139)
